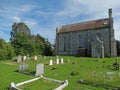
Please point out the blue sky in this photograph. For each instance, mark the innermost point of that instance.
(44, 16)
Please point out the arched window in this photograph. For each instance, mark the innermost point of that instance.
(99, 35)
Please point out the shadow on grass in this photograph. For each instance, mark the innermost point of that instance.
(32, 73)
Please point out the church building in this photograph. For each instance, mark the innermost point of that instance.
(92, 38)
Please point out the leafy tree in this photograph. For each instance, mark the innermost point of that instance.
(48, 48)
(24, 43)
(20, 35)
(10, 51)
(6, 50)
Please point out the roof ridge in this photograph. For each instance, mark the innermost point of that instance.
(87, 21)
(87, 25)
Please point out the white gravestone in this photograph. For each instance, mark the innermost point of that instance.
(57, 61)
(24, 58)
(19, 58)
(61, 60)
(51, 62)
(39, 69)
(35, 58)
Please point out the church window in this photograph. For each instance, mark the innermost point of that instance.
(99, 35)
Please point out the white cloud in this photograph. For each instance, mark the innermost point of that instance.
(18, 10)
(16, 19)
(31, 22)
(27, 8)
(71, 11)
(93, 9)
(74, 8)
(117, 29)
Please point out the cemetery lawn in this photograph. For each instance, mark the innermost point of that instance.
(96, 74)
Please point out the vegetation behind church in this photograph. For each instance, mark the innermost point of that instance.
(22, 42)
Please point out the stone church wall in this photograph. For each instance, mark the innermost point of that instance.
(70, 42)
(104, 35)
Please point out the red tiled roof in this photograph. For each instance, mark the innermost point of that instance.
(101, 23)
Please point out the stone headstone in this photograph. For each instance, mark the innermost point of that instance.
(51, 62)
(35, 58)
(57, 61)
(61, 60)
(24, 58)
(57, 56)
(23, 67)
(19, 58)
(20, 68)
(39, 69)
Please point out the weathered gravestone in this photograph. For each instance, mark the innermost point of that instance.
(35, 58)
(57, 56)
(19, 58)
(61, 60)
(39, 69)
(24, 58)
(57, 61)
(23, 68)
(51, 62)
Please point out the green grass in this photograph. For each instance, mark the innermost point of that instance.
(89, 70)
(40, 85)
(8, 74)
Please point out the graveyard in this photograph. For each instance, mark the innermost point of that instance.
(82, 73)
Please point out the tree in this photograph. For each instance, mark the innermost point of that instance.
(24, 43)
(10, 51)
(6, 50)
(20, 35)
(48, 48)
